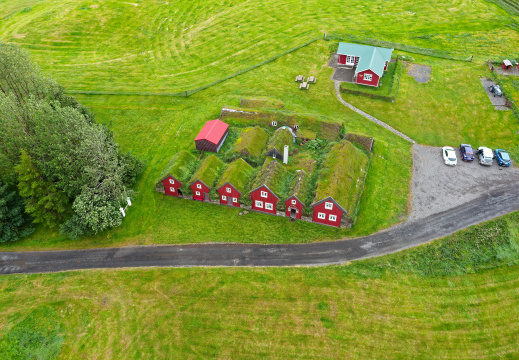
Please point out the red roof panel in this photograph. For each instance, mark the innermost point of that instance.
(212, 131)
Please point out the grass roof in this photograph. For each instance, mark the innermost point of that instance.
(343, 176)
(181, 166)
(239, 174)
(209, 171)
(281, 138)
(300, 185)
(251, 141)
(276, 177)
(306, 134)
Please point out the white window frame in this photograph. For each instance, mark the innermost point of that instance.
(274, 123)
(368, 77)
(171, 181)
(228, 190)
(224, 198)
(172, 189)
(321, 216)
(328, 205)
(198, 186)
(197, 193)
(332, 217)
(264, 194)
(234, 200)
(294, 202)
(258, 204)
(269, 206)
(350, 59)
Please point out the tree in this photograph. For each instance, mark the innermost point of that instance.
(43, 201)
(14, 222)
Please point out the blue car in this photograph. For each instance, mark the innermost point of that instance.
(467, 154)
(502, 157)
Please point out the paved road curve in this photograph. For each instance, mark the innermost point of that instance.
(397, 238)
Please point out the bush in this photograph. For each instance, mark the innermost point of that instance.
(14, 222)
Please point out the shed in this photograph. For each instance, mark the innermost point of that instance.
(506, 65)
(368, 62)
(200, 191)
(212, 136)
(294, 207)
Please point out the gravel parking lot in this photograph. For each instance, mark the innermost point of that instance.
(437, 187)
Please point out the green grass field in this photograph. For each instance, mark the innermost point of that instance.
(455, 298)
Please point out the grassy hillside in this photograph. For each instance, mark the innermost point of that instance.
(442, 300)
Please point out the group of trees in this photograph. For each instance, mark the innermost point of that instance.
(66, 167)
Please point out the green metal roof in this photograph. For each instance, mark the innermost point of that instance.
(370, 57)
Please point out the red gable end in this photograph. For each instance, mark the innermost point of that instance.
(213, 131)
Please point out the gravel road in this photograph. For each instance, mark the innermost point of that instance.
(437, 187)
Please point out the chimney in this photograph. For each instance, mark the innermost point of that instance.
(285, 157)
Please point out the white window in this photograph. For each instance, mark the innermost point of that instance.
(293, 202)
(171, 181)
(264, 194)
(224, 198)
(172, 189)
(367, 77)
(268, 206)
(228, 189)
(259, 204)
(296, 127)
(234, 199)
(274, 123)
(198, 186)
(321, 215)
(328, 205)
(198, 193)
(350, 59)
(332, 218)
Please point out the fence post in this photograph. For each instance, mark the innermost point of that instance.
(186, 93)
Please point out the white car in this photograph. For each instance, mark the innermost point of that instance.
(449, 156)
(485, 156)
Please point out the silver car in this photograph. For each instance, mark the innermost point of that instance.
(485, 156)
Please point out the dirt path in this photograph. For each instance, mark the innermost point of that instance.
(368, 116)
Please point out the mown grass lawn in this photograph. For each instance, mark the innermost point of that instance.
(455, 298)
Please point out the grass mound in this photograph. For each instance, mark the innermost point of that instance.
(239, 174)
(276, 177)
(251, 142)
(209, 171)
(343, 177)
(181, 166)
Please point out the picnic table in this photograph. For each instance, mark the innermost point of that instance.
(300, 78)
(304, 85)
(312, 79)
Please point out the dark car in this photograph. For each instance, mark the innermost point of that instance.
(496, 90)
(467, 154)
(502, 157)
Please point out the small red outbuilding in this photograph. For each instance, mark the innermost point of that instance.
(212, 136)
(506, 65)
(328, 212)
(294, 207)
(264, 199)
(171, 185)
(229, 195)
(200, 191)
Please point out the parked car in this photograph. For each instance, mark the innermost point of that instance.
(485, 156)
(449, 156)
(502, 157)
(467, 154)
(496, 90)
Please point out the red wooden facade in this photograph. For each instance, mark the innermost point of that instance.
(263, 199)
(506, 64)
(367, 77)
(200, 191)
(229, 195)
(212, 136)
(171, 185)
(294, 207)
(327, 212)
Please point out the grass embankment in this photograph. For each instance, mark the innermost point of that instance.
(442, 300)
(343, 176)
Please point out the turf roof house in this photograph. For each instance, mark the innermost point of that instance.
(269, 182)
(368, 62)
(212, 136)
(233, 182)
(283, 136)
(178, 171)
(293, 204)
(205, 177)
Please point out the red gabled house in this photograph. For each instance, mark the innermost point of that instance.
(294, 207)
(327, 212)
(200, 191)
(264, 200)
(229, 195)
(171, 186)
(212, 136)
